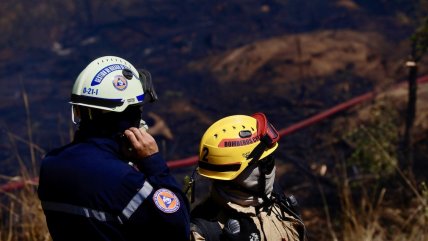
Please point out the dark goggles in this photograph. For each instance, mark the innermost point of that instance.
(268, 137)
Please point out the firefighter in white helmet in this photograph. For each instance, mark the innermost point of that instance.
(110, 182)
(237, 154)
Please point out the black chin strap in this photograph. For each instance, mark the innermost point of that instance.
(265, 142)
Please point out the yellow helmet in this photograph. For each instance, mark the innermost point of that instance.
(233, 143)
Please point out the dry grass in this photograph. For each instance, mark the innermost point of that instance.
(22, 215)
(372, 218)
(378, 202)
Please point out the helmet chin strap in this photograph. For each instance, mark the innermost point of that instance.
(261, 192)
(261, 186)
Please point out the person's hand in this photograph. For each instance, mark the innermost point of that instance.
(141, 144)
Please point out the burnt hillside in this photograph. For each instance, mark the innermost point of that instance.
(289, 56)
(291, 59)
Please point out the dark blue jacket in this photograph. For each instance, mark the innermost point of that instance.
(89, 193)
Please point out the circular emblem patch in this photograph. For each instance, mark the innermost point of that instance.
(120, 82)
(166, 201)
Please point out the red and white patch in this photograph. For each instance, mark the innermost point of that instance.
(166, 200)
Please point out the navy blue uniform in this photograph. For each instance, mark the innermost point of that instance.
(89, 193)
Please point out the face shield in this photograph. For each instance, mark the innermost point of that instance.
(149, 90)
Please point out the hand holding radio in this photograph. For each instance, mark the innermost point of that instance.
(140, 144)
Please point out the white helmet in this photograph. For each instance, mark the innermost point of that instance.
(112, 83)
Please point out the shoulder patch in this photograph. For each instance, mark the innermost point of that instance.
(166, 200)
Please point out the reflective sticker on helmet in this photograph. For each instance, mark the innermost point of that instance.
(233, 142)
(98, 78)
(120, 82)
(166, 201)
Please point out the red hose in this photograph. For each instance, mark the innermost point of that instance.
(286, 131)
(183, 162)
(192, 160)
(302, 124)
(14, 185)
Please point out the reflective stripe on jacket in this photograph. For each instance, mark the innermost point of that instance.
(88, 193)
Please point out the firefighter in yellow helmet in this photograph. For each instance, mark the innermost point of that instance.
(237, 154)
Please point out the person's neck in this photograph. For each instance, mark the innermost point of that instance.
(230, 193)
